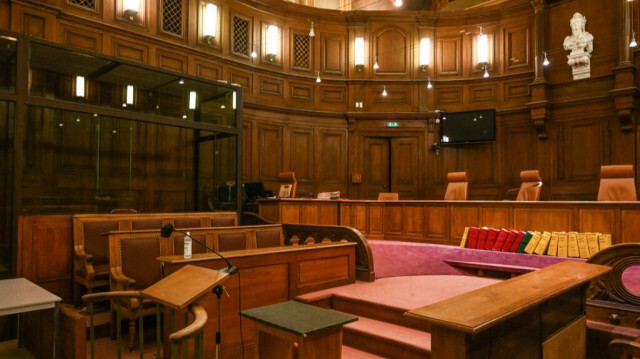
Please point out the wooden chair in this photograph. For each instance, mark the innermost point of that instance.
(617, 183)
(457, 187)
(289, 178)
(387, 196)
(530, 190)
(91, 253)
(133, 265)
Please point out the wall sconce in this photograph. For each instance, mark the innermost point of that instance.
(254, 53)
(80, 86)
(209, 22)
(359, 53)
(425, 47)
(375, 64)
(384, 91)
(193, 98)
(429, 84)
(397, 3)
(311, 32)
(633, 42)
(483, 52)
(273, 42)
(129, 95)
(545, 62)
(318, 80)
(131, 8)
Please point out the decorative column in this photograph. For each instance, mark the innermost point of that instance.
(539, 105)
(625, 90)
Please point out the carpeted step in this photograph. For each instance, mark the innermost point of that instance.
(377, 311)
(353, 353)
(386, 339)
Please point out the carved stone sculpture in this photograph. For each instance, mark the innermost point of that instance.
(580, 42)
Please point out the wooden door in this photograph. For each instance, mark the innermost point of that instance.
(375, 167)
(405, 167)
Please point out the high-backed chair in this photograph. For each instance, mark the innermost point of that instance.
(91, 254)
(530, 190)
(617, 183)
(388, 196)
(289, 178)
(133, 264)
(457, 187)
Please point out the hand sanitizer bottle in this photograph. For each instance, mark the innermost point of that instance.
(187, 246)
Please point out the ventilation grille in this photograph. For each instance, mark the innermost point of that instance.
(86, 4)
(240, 36)
(301, 57)
(172, 17)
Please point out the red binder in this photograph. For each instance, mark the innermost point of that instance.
(516, 242)
(501, 240)
(509, 242)
(482, 237)
(472, 238)
(491, 238)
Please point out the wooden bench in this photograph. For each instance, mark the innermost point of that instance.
(91, 248)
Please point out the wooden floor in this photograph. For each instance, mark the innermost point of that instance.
(105, 348)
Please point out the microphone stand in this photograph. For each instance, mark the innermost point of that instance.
(165, 232)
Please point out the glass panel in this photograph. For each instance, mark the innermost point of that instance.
(80, 162)
(88, 79)
(8, 49)
(217, 172)
(60, 157)
(6, 181)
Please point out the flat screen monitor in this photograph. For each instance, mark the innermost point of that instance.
(468, 127)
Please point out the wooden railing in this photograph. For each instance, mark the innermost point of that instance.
(179, 339)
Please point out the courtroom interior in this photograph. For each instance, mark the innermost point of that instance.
(319, 179)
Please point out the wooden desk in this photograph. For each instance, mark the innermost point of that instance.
(20, 295)
(317, 331)
(536, 315)
(443, 222)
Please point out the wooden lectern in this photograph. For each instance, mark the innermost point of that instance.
(184, 286)
(187, 285)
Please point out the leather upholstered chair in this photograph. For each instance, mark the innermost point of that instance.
(529, 190)
(617, 183)
(289, 178)
(388, 196)
(134, 266)
(457, 187)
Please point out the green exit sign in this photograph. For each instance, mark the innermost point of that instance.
(393, 124)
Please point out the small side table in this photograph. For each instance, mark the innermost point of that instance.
(317, 331)
(19, 295)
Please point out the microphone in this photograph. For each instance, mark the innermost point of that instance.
(168, 228)
(537, 184)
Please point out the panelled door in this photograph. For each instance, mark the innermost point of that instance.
(390, 164)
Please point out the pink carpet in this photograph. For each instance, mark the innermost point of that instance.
(405, 293)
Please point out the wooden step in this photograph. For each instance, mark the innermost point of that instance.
(353, 353)
(376, 311)
(386, 339)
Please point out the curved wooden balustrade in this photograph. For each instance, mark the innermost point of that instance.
(295, 234)
(194, 330)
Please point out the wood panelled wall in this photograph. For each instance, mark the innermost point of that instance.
(567, 129)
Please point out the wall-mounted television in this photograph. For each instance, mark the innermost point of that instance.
(467, 127)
